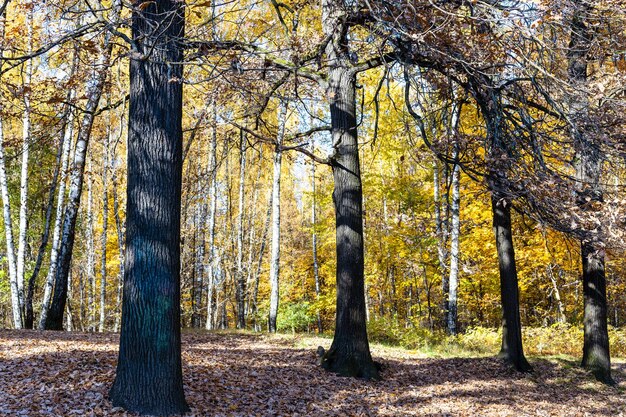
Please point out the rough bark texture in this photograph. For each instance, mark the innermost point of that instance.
(149, 372)
(511, 350)
(349, 353)
(588, 162)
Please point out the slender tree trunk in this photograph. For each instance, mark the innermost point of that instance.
(455, 226)
(6, 211)
(316, 267)
(8, 229)
(240, 284)
(149, 371)
(119, 228)
(275, 260)
(66, 145)
(91, 256)
(26, 127)
(259, 264)
(54, 319)
(454, 249)
(30, 316)
(211, 220)
(105, 229)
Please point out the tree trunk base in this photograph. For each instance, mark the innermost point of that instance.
(135, 402)
(519, 362)
(600, 372)
(350, 364)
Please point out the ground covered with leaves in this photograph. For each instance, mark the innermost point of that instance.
(229, 374)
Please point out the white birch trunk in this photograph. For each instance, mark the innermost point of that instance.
(241, 279)
(95, 90)
(453, 279)
(66, 144)
(91, 261)
(454, 248)
(275, 251)
(6, 211)
(211, 220)
(105, 225)
(21, 245)
(316, 267)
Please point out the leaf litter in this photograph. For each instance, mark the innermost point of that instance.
(242, 374)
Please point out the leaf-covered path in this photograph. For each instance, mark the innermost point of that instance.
(68, 374)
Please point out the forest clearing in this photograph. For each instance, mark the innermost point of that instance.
(244, 374)
(185, 182)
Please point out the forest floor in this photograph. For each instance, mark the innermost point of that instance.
(242, 374)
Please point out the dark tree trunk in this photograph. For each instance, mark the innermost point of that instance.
(512, 350)
(499, 155)
(596, 356)
(149, 372)
(349, 353)
(588, 161)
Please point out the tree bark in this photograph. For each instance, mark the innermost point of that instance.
(211, 220)
(91, 256)
(66, 145)
(105, 228)
(588, 163)
(275, 259)
(6, 210)
(29, 314)
(349, 353)
(511, 350)
(316, 267)
(26, 132)
(54, 319)
(240, 284)
(454, 246)
(149, 371)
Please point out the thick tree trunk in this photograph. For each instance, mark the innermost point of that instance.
(349, 353)
(511, 350)
(275, 259)
(54, 320)
(149, 371)
(588, 162)
(596, 355)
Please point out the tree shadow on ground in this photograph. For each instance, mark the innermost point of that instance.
(226, 374)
